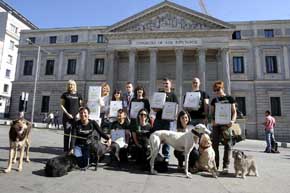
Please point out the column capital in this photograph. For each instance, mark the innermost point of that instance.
(132, 50)
(179, 50)
(153, 50)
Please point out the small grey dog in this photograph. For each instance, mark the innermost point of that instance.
(244, 164)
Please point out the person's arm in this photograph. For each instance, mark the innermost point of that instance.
(62, 103)
(234, 114)
(73, 139)
(212, 112)
(206, 109)
(135, 139)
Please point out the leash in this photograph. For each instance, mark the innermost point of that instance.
(74, 136)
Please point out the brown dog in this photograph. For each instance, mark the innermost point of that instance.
(18, 138)
(206, 160)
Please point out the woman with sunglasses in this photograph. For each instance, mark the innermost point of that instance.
(219, 129)
(183, 121)
(141, 135)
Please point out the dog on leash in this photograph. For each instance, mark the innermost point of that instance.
(98, 149)
(60, 165)
(206, 160)
(178, 140)
(244, 164)
(19, 138)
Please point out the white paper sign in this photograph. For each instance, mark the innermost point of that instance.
(192, 100)
(223, 113)
(169, 111)
(158, 100)
(118, 136)
(94, 96)
(135, 108)
(114, 107)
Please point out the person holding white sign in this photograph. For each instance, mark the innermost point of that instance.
(161, 124)
(196, 103)
(122, 138)
(222, 132)
(137, 103)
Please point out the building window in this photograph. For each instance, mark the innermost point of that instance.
(8, 73)
(71, 66)
(236, 35)
(275, 106)
(5, 89)
(11, 45)
(45, 104)
(100, 38)
(28, 66)
(238, 64)
(269, 33)
(10, 59)
(74, 38)
(31, 40)
(49, 67)
(52, 39)
(241, 105)
(271, 64)
(13, 28)
(99, 66)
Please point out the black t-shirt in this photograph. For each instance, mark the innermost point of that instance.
(170, 97)
(224, 99)
(116, 125)
(85, 131)
(199, 114)
(71, 102)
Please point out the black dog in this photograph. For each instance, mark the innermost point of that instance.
(98, 150)
(60, 165)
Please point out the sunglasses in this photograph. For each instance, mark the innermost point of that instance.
(143, 114)
(216, 90)
(118, 93)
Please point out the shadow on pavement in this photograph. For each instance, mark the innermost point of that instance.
(39, 173)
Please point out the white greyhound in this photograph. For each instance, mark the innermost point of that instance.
(181, 141)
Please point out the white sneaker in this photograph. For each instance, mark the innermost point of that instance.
(225, 170)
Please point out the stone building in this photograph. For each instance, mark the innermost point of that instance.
(11, 23)
(165, 40)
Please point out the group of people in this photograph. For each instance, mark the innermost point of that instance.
(51, 118)
(137, 130)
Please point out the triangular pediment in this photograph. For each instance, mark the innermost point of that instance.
(168, 16)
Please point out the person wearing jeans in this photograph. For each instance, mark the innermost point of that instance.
(221, 132)
(269, 124)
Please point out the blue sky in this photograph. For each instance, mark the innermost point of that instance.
(75, 13)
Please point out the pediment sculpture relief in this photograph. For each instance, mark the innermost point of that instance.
(166, 22)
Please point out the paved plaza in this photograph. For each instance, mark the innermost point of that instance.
(274, 170)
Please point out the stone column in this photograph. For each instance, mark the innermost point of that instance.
(202, 67)
(20, 66)
(226, 70)
(286, 62)
(258, 63)
(60, 65)
(111, 67)
(152, 71)
(82, 65)
(132, 66)
(179, 73)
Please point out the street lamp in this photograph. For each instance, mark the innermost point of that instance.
(36, 76)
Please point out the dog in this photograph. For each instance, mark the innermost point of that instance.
(206, 160)
(178, 140)
(244, 164)
(60, 165)
(98, 149)
(19, 138)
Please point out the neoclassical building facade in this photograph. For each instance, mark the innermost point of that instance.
(166, 40)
